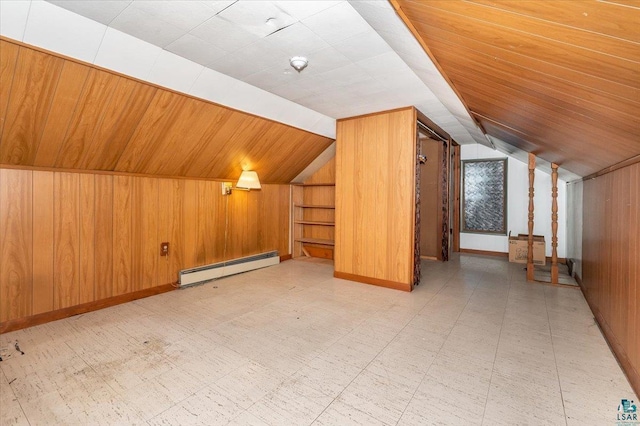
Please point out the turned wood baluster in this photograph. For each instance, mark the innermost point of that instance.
(532, 169)
(554, 223)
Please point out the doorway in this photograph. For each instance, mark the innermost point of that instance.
(434, 165)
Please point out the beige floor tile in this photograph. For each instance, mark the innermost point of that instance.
(291, 345)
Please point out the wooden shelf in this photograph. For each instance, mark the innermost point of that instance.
(313, 206)
(316, 241)
(314, 222)
(314, 184)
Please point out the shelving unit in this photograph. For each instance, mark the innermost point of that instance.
(313, 220)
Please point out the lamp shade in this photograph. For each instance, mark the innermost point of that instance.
(248, 180)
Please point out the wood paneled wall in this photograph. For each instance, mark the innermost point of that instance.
(59, 113)
(72, 238)
(375, 198)
(611, 261)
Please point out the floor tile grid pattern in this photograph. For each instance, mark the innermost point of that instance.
(473, 344)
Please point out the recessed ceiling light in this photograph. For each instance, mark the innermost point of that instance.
(299, 63)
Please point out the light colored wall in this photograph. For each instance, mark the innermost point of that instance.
(518, 205)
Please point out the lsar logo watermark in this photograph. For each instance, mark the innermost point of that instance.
(627, 412)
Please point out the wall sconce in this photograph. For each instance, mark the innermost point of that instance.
(248, 181)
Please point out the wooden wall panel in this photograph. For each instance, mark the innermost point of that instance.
(611, 261)
(70, 84)
(43, 242)
(60, 113)
(103, 254)
(122, 235)
(87, 201)
(72, 238)
(66, 248)
(16, 233)
(33, 86)
(8, 58)
(171, 198)
(375, 198)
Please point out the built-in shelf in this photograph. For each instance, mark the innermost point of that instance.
(314, 222)
(316, 241)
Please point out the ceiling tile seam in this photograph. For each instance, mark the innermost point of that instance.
(24, 30)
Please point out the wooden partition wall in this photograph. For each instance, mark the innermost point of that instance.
(375, 198)
(611, 261)
(68, 239)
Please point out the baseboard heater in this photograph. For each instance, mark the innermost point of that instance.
(230, 267)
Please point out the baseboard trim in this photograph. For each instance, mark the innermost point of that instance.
(373, 281)
(30, 321)
(286, 257)
(484, 252)
(561, 260)
(632, 375)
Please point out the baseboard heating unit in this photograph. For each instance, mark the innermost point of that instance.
(230, 267)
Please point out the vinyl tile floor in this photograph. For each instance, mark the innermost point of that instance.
(473, 344)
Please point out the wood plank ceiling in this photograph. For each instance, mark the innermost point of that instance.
(60, 113)
(560, 79)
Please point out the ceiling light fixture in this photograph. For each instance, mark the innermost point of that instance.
(299, 63)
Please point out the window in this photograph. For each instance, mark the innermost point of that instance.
(484, 196)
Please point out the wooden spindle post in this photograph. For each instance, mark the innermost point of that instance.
(554, 223)
(532, 171)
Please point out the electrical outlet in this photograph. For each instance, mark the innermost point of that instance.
(164, 249)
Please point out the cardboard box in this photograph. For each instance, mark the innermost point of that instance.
(518, 249)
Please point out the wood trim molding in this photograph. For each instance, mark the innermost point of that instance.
(626, 163)
(286, 257)
(38, 319)
(484, 252)
(373, 281)
(374, 113)
(562, 260)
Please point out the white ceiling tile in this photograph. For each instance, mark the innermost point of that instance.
(337, 23)
(224, 34)
(257, 17)
(250, 59)
(126, 54)
(382, 65)
(219, 5)
(363, 46)
(294, 93)
(325, 60)
(185, 15)
(297, 40)
(302, 9)
(272, 77)
(13, 18)
(174, 72)
(59, 30)
(149, 28)
(195, 49)
(103, 11)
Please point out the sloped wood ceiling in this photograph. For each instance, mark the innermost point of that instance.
(59, 113)
(560, 79)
